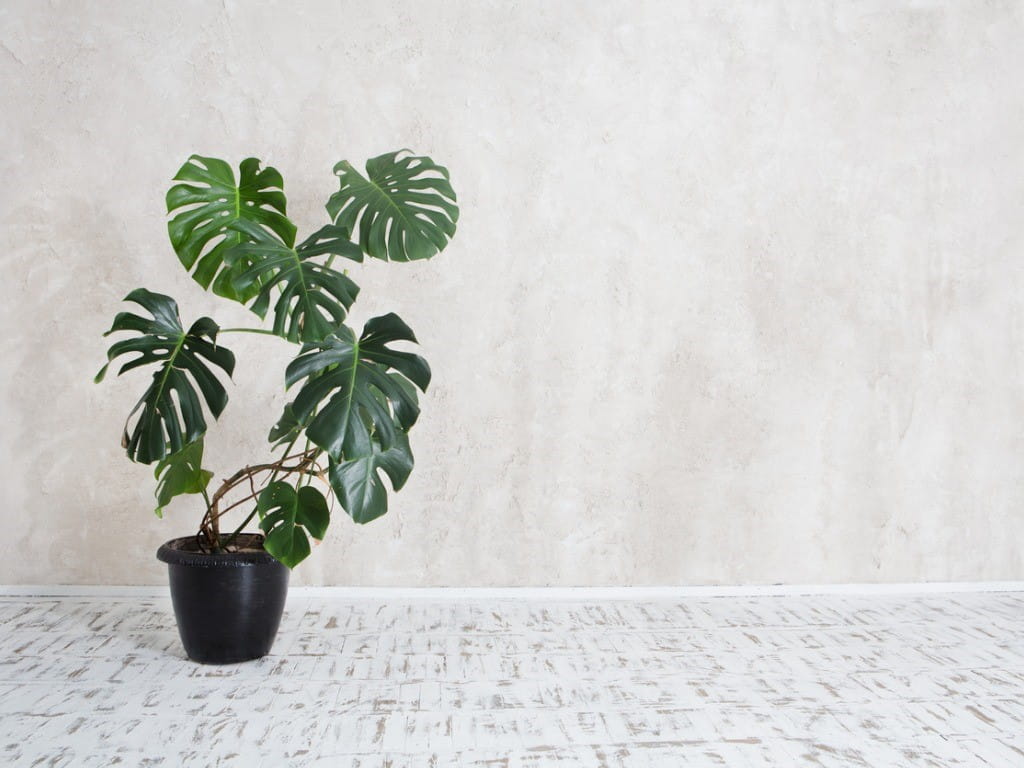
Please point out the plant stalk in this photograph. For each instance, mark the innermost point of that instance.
(252, 514)
(247, 330)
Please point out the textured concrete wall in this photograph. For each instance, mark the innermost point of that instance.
(735, 295)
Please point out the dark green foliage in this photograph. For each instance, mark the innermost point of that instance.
(405, 206)
(208, 203)
(286, 515)
(170, 412)
(180, 473)
(310, 299)
(353, 385)
(358, 396)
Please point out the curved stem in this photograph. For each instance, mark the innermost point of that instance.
(252, 514)
(204, 529)
(247, 330)
(307, 479)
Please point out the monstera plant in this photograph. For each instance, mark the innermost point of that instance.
(354, 394)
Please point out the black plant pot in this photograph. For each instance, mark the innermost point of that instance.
(228, 605)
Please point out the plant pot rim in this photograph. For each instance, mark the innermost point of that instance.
(183, 551)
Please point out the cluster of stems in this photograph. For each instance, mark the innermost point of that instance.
(304, 464)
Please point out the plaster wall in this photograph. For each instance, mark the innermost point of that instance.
(735, 295)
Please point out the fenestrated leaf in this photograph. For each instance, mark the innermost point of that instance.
(404, 207)
(208, 203)
(312, 299)
(381, 331)
(170, 412)
(180, 473)
(357, 482)
(353, 384)
(284, 513)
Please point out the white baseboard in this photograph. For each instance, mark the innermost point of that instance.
(543, 593)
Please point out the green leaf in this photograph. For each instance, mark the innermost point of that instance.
(404, 207)
(357, 482)
(170, 412)
(311, 299)
(180, 473)
(283, 515)
(208, 202)
(287, 428)
(352, 385)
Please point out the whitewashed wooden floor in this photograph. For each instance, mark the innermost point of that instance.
(827, 680)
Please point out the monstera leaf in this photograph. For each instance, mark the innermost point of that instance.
(170, 413)
(354, 385)
(208, 202)
(311, 298)
(405, 206)
(284, 512)
(357, 482)
(180, 473)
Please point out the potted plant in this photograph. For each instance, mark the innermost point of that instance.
(354, 394)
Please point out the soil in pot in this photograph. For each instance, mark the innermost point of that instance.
(228, 605)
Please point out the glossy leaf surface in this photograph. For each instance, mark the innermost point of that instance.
(180, 473)
(169, 414)
(207, 202)
(309, 299)
(357, 482)
(286, 515)
(357, 385)
(403, 209)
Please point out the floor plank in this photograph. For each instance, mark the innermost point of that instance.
(817, 680)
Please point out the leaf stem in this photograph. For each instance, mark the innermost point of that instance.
(252, 514)
(206, 498)
(247, 330)
(306, 479)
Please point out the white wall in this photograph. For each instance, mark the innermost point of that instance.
(735, 295)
